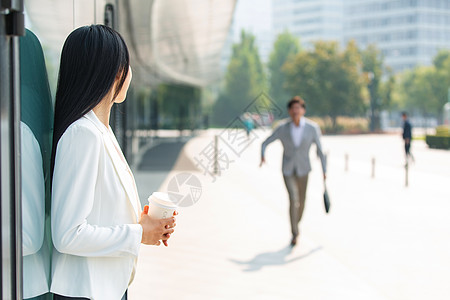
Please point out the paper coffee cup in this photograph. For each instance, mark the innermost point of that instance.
(160, 206)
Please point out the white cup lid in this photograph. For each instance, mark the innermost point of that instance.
(162, 199)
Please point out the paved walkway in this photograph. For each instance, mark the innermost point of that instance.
(155, 161)
(380, 240)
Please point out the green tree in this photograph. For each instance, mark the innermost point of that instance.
(178, 106)
(329, 80)
(285, 46)
(245, 79)
(425, 89)
(441, 81)
(441, 57)
(418, 90)
(373, 69)
(387, 90)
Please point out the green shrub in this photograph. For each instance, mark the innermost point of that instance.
(438, 142)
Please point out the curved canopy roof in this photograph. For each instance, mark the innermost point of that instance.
(169, 40)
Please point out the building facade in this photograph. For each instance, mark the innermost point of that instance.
(310, 20)
(408, 32)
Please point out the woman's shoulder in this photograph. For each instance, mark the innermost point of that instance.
(81, 142)
(82, 130)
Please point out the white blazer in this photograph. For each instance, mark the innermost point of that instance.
(94, 213)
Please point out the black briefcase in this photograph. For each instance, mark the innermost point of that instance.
(326, 200)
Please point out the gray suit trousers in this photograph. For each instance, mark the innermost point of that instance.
(296, 187)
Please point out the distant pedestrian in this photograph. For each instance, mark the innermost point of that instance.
(297, 136)
(248, 123)
(407, 137)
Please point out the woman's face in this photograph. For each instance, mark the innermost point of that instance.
(123, 92)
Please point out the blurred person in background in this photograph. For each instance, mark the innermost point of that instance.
(407, 137)
(248, 123)
(297, 136)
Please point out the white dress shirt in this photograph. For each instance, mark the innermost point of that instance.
(297, 132)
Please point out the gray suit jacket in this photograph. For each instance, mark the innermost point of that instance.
(296, 159)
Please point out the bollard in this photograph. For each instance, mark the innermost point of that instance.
(346, 162)
(406, 174)
(216, 154)
(373, 167)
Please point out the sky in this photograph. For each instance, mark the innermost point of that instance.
(254, 16)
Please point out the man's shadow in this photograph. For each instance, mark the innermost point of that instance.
(272, 259)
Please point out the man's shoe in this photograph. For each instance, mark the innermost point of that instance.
(294, 241)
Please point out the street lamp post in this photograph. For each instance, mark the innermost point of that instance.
(371, 76)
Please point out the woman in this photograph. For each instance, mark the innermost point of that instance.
(97, 224)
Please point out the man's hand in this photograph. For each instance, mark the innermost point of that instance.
(262, 161)
(324, 177)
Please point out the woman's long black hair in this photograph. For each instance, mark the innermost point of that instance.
(91, 58)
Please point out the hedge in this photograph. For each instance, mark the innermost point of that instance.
(438, 142)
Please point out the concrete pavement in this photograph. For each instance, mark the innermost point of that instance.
(380, 240)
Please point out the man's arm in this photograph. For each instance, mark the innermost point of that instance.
(273, 137)
(317, 136)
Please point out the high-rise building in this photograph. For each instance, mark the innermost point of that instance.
(310, 20)
(408, 32)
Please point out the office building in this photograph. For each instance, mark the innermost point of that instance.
(408, 32)
(310, 20)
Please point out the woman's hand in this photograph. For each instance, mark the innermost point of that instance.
(155, 230)
(167, 235)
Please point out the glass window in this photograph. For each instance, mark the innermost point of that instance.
(36, 131)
